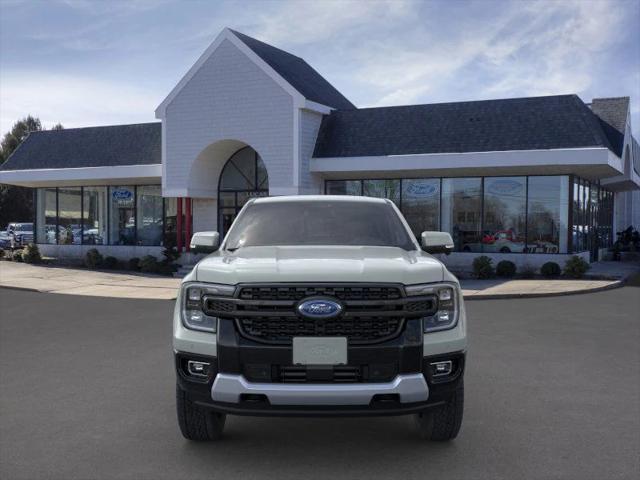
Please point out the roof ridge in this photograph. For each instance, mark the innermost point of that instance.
(466, 101)
(97, 126)
(624, 97)
(597, 131)
(237, 33)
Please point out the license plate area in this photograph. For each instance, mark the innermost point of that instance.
(320, 350)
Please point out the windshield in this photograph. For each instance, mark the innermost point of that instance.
(319, 223)
(22, 227)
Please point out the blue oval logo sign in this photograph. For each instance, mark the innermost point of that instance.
(319, 308)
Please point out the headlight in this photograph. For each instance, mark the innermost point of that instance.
(193, 316)
(446, 317)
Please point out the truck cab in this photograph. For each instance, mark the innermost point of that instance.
(320, 306)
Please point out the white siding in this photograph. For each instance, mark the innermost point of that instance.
(309, 126)
(229, 98)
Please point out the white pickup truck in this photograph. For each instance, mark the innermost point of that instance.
(320, 306)
(19, 234)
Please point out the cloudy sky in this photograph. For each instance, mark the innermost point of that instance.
(82, 62)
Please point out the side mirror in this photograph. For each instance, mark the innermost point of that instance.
(436, 242)
(205, 242)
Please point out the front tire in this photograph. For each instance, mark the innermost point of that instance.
(443, 423)
(197, 423)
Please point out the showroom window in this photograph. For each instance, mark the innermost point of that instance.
(548, 211)
(382, 189)
(94, 215)
(100, 215)
(462, 212)
(344, 187)
(46, 215)
(70, 216)
(149, 215)
(504, 225)
(421, 204)
(517, 214)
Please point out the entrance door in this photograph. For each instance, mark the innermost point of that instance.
(243, 177)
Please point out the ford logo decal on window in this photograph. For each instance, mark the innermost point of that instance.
(319, 308)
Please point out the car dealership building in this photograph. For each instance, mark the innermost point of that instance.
(528, 179)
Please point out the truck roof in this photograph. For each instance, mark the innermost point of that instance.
(320, 198)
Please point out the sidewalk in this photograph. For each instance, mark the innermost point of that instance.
(77, 281)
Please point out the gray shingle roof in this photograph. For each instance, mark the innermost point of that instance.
(533, 123)
(115, 145)
(298, 73)
(612, 113)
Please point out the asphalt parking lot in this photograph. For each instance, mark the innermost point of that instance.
(552, 391)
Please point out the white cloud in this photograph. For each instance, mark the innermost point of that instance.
(72, 100)
(315, 21)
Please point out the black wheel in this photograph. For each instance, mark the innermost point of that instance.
(197, 423)
(505, 250)
(442, 424)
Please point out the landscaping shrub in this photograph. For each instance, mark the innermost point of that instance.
(134, 264)
(16, 256)
(550, 270)
(167, 268)
(506, 269)
(1, 252)
(576, 267)
(110, 263)
(93, 259)
(149, 264)
(31, 254)
(482, 267)
(527, 271)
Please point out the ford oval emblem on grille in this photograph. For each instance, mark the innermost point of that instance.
(319, 308)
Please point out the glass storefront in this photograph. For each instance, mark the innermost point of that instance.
(69, 215)
(516, 214)
(119, 215)
(46, 215)
(421, 204)
(548, 214)
(592, 213)
(94, 216)
(382, 189)
(122, 217)
(462, 212)
(149, 215)
(505, 215)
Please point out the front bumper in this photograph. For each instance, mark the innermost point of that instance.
(406, 388)
(406, 394)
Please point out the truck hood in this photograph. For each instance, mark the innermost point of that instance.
(319, 264)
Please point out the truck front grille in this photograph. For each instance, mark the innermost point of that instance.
(357, 329)
(371, 314)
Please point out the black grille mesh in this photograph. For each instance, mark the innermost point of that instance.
(344, 293)
(357, 329)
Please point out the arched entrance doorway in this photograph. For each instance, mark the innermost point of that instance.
(243, 177)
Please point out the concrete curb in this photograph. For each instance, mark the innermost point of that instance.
(505, 296)
(36, 290)
(468, 298)
(26, 289)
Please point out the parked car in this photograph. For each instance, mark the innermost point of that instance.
(322, 306)
(20, 234)
(5, 240)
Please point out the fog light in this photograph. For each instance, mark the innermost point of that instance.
(198, 369)
(440, 369)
